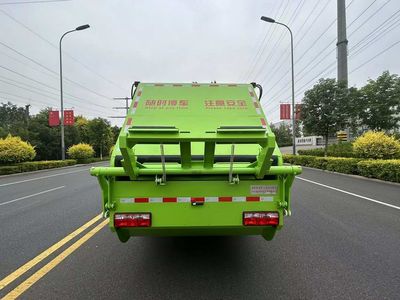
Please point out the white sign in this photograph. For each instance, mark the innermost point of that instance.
(263, 189)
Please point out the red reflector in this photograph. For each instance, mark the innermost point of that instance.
(199, 200)
(132, 220)
(260, 218)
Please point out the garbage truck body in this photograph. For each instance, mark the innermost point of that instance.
(195, 159)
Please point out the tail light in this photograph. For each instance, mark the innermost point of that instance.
(260, 218)
(132, 220)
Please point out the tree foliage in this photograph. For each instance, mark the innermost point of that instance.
(326, 108)
(13, 120)
(379, 103)
(35, 129)
(283, 134)
(14, 150)
(100, 135)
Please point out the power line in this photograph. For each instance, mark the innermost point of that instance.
(52, 71)
(32, 2)
(363, 12)
(376, 32)
(43, 84)
(298, 42)
(24, 88)
(253, 61)
(16, 98)
(265, 46)
(313, 44)
(369, 18)
(272, 53)
(287, 50)
(312, 23)
(44, 95)
(56, 47)
(375, 56)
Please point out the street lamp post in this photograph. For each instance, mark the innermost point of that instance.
(83, 27)
(270, 20)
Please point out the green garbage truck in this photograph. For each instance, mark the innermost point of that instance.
(195, 159)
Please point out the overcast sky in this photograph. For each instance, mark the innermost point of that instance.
(184, 41)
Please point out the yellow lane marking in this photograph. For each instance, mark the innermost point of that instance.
(26, 267)
(58, 259)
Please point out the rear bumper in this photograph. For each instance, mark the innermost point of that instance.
(267, 232)
(184, 219)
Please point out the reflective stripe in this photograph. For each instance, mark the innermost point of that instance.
(263, 122)
(183, 199)
(169, 199)
(141, 200)
(197, 199)
(156, 200)
(127, 200)
(211, 199)
(252, 199)
(239, 199)
(225, 199)
(267, 199)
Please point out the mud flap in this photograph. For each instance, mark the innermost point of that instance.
(123, 235)
(269, 233)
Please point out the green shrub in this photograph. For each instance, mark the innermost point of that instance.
(335, 164)
(80, 151)
(376, 145)
(388, 170)
(14, 150)
(5, 170)
(35, 165)
(312, 152)
(381, 169)
(344, 149)
(342, 165)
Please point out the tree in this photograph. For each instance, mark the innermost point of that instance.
(81, 123)
(326, 109)
(46, 139)
(100, 135)
(115, 130)
(283, 134)
(13, 120)
(380, 103)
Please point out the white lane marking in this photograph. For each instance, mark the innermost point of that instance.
(349, 193)
(33, 195)
(43, 177)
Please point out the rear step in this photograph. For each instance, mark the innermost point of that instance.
(177, 159)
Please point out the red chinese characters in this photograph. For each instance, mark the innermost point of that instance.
(226, 104)
(68, 117)
(166, 104)
(54, 118)
(285, 111)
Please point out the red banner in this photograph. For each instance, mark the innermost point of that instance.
(285, 111)
(298, 111)
(54, 118)
(68, 117)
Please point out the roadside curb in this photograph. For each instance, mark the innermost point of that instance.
(51, 169)
(354, 176)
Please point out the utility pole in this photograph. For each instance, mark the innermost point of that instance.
(126, 107)
(342, 72)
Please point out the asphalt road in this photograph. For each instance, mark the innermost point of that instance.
(336, 245)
